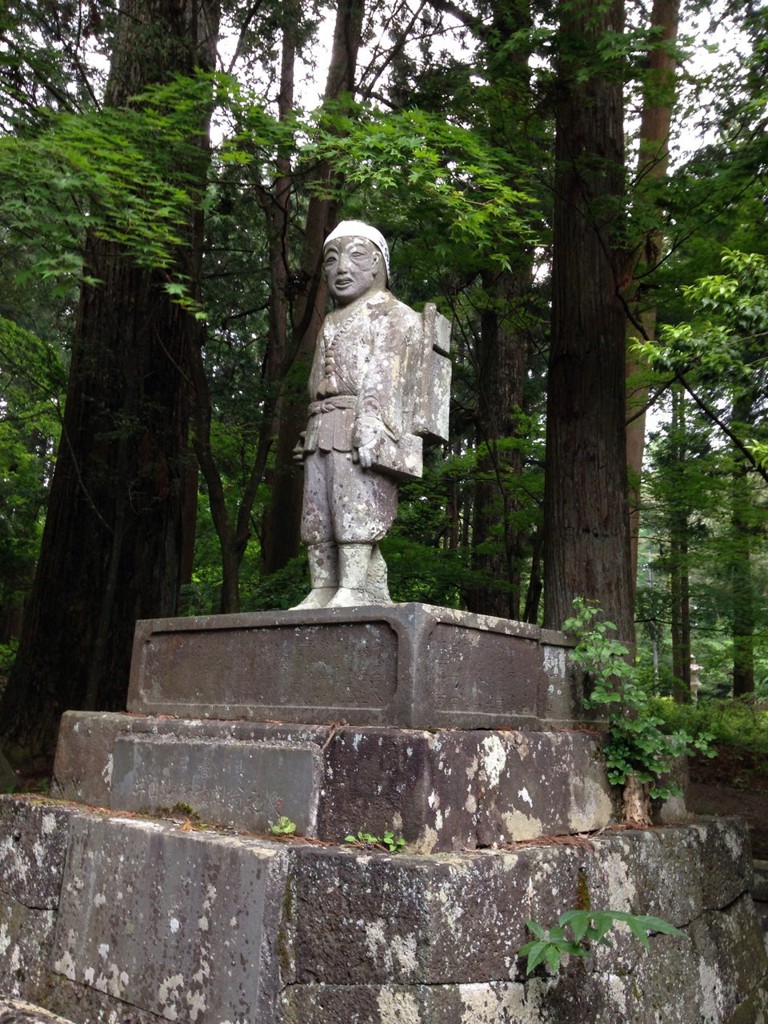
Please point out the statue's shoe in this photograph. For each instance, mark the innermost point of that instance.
(317, 598)
(345, 597)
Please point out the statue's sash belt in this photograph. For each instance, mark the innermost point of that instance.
(331, 422)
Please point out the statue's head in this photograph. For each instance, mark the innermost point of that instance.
(355, 261)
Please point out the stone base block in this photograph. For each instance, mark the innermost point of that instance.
(153, 922)
(243, 785)
(408, 665)
(16, 1011)
(442, 790)
(177, 923)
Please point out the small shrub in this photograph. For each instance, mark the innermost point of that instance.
(739, 722)
(389, 842)
(577, 930)
(283, 827)
(638, 752)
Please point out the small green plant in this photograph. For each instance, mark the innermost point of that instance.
(390, 842)
(638, 753)
(283, 827)
(586, 927)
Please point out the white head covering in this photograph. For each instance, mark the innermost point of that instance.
(347, 228)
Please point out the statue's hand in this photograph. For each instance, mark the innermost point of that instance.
(365, 435)
(298, 452)
(365, 455)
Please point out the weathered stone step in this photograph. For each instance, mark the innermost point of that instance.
(406, 665)
(106, 919)
(16, 1011)
(440, 790)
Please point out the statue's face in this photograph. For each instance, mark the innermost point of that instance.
(353, 267)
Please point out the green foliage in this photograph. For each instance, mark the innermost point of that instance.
(282, 589)
(636, 745)
(703, 524)
(577, 930)
(739, 723)
(31, 386)
(283, 827)
(718, 350)
(7, 658)
(449, 169)
(389, 842)
(129, 175)
(729, 313)
(434, 171)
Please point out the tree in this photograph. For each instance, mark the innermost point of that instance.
(32, 382)
(295, 306)
(587, 551)
(659, 92)
(718, 358)
(112, 541)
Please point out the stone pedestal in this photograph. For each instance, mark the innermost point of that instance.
(410, 666)
(439, 790)
(152, 890)
(469, 755)
(106, 918)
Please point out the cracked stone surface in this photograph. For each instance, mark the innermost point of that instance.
(148, 921)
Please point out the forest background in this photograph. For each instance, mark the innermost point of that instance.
(579, 186)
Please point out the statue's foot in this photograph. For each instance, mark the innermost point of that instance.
(377, 595)
(318, 597)
(346, 597)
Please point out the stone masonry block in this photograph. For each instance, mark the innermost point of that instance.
(441, 790)
(424, 917)
(158, 922)
(176, 923)
(84, 769)
(650, 871)
(245, 785)
(460, 790)
(33, 845)
(26, 935)
(409, 665)
(446, 918)
(15, 1011)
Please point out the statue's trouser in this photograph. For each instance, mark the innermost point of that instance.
(354, 560)
(344, 502)
(346, 509)
(324, 573)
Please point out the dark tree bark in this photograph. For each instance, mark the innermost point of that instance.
(742, 543)
(587, 549)
(679, 575)
(501, 360)
(112, 543)
(281, 524)
(653, 160)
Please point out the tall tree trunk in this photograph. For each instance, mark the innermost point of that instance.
(587, 549)
(501, 356)
(112, 543)
(501, 359)
(281, 524)
(653, 160)
(679, 576)
(743, 597)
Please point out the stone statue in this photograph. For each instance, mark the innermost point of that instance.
(380, 382)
